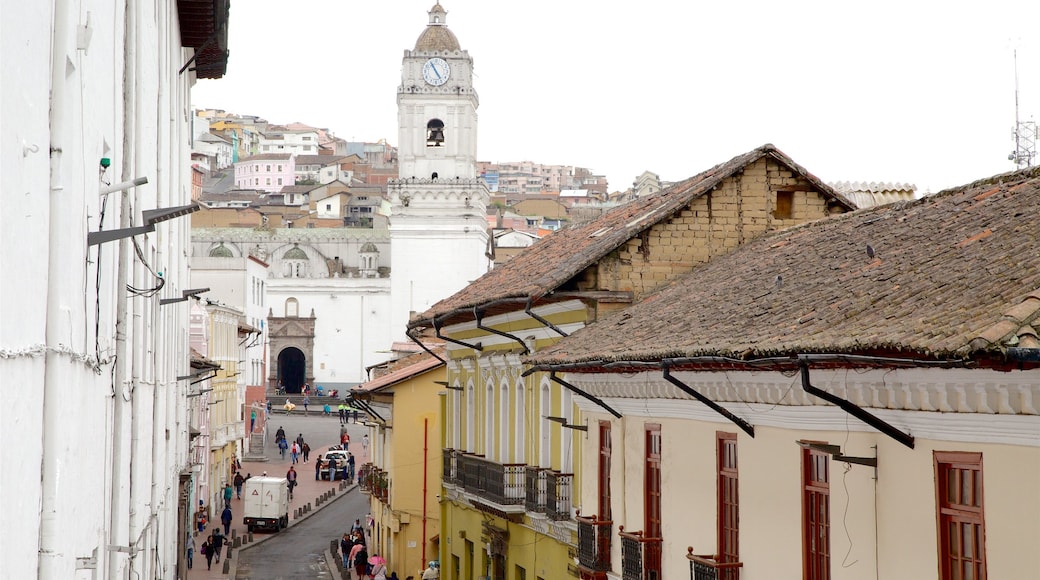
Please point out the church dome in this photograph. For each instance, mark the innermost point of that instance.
(221, 251)
(437, 37)
(369, 248)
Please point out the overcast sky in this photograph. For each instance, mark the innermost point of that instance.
(915, 91)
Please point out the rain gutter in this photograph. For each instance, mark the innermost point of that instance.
(744, 425)
(478, 315)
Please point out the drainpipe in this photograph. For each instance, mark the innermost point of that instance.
(57, 372)
(529, 312)
(122, 396)
(478, 316)
(425, 448)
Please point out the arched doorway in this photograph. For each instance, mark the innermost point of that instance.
(292, 369)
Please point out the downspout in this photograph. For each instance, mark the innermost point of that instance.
(852, 409)
(425, 474)
(529, 312)
(478, 315)
(414, 339)
(573, 389)
(744, 425)
(119, 504)
(54, 372)
(437, 327)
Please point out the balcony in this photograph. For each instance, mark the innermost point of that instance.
(558, 495)
(374, 481)
(535, 496)
(709, 568)
(640, 556)
(450, 466)
(500, 484)
(594, 543)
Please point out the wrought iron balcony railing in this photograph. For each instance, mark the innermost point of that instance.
(594, 537)
(709, 568)
(640, 556)
(450, 465)
(535, 496)
(558, 495)
(500, 483)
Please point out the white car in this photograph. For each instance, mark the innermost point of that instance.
(341, 461)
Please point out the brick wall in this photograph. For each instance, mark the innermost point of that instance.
(739, 210)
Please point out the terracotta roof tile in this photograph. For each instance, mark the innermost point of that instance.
(425, 363)
(555, 259)
(920, 289)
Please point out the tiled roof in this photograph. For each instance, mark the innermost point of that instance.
(555, 259)
(946, 276)
(425, 363)
(318, 159)
(267, 157)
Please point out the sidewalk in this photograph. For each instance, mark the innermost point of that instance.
(308, 491)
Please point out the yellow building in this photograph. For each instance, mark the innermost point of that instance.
(403, 477)
(513, 438)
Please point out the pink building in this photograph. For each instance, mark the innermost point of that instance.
(268, 171)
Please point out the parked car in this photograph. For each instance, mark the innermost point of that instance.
(341, 462)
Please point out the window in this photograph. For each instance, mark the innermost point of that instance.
(958, 491)
(816, 534)
(604, 471)
(268, 169)
(504, 405)
(279, 181)
(728, 503)
(279, 168)
(519, 456)
(292, 308)
(489, 421)
(328, 207)
(652, 481)
(268, 181)
(784, 205)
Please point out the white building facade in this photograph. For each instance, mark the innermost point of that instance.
(94, 416)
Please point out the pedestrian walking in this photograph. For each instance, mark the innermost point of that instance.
(216, 542)
(306, 403)
(344, 550)
(344, 440)
(190, 548)
(317, 469)
(280, 433)
(252, 420)
(282, 446)
(225, 518)
(239, 480)
(295, 452)
(342, 414)
(207, 551)
(299, 439)
(360, 560)
(291, 476)
(364, 442)
(432, 572)
(378, 571)
(350, 466)
(306, 450)
(200, 517)
(227, 494)
(355, 416)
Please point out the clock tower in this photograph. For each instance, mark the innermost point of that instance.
(438, 223)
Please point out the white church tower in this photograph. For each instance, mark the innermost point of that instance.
(438, 224)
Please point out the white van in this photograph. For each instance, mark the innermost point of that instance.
(265, 503)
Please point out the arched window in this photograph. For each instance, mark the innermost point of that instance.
(456, 417)
(504, 405)
(521, 423)
(296, 262)
(566, 435)
(292, 308)
(435, 133)
(489, 421)
(471, 415)
(545, 404)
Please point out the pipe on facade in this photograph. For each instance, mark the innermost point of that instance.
(416, 340)
(478, 316)
(53, 371)
(437, 323)
(854, 410)
(573, 389)
(425, 475)
(529, 312)
(744, 425)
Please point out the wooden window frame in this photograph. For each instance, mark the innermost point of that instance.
(815, 563)
(652, 481)
(728, 528)
(605, 456)
(947, 513)
(784, 209)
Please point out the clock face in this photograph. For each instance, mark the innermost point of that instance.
(436, 71)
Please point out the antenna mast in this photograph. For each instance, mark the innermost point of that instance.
(1025, 133)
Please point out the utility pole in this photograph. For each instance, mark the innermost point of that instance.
(1025, 133)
